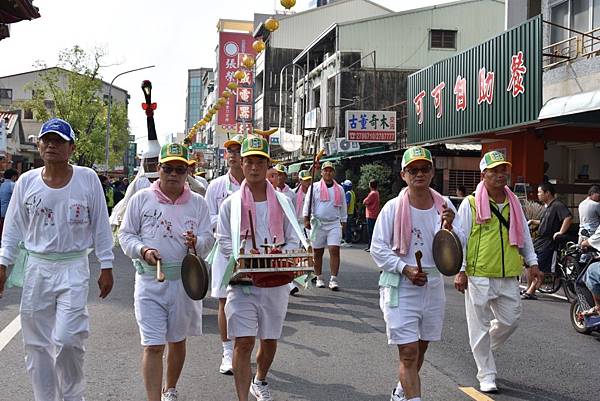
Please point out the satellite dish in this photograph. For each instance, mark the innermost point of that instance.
(289, 142)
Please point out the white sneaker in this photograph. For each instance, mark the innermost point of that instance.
(397, 396)
(320, 283)
(488, 386)
(261, 391)
(169, 395)
(226, 367)
(333, 285)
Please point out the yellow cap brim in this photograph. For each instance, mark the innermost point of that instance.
(306, 178)
(256, 153)
(496, 164)
(173, 158)
(229, 143)
(417, 159)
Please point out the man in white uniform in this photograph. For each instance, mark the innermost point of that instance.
(327, 219)
(255, 311)
(498, 241)
(59, 212)
(161, 223)
(412, 300)
(218, 190)
(281, 183)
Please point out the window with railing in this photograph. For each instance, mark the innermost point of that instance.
(574, 30)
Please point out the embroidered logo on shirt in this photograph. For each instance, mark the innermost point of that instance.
(418, 237)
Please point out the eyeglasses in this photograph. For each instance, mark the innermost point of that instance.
(415, 170)
(180, 170)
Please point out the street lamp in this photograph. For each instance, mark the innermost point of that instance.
(109, 108)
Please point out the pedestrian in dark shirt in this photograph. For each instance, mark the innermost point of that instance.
(555, 221)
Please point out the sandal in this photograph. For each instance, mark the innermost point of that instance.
(527, 295)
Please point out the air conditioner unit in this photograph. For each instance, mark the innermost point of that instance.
(344, 145)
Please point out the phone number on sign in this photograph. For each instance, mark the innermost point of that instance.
(366, 136)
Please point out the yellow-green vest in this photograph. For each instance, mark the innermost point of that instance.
(352, 203)
(489, 253)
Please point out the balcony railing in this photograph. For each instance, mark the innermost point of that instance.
(579, 44)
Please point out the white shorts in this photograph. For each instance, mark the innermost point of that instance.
(419, 314)
(328, 235)
(258, 314)
(164, 312)
(218, 268)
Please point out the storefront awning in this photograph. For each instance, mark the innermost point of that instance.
(569, 105)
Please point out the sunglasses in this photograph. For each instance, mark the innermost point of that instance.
(415, 170)
(180, 170)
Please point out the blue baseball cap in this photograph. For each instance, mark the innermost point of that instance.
(60, 127)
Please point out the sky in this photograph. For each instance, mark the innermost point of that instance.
(174, 35)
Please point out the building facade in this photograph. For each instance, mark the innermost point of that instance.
(195, 96)
(533, 93)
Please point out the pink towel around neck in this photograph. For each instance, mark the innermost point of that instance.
(337, 191)
(275, 222)
(162, 198)
(299, 200)
(403, 222)
(484, 213)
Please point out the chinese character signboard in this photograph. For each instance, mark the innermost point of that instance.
(490, 87)
(371, 126)
(233, 46)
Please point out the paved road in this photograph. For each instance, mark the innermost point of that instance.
(333, 348)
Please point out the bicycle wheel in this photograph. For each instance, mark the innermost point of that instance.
(570, 270)
(552, 283)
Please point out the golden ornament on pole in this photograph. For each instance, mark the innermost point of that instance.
(248, 61)
(239, 75)
(287, 4)
(217, 106)
(221, 101)
(233, 85)
(258, 45)
(271, 24)
(226, 94)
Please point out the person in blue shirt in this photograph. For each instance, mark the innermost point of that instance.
(6, 190)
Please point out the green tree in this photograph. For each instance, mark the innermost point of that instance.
(380, 172)
(73, 91)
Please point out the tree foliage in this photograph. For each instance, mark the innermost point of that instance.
(380, 172)
(73, 92)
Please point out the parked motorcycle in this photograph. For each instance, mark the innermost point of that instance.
(584, 300)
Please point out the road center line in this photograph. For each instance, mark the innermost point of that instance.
(10, 331)
(474, 394)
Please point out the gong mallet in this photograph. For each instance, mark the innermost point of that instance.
(160, 276)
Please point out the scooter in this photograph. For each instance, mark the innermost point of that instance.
(584, 300)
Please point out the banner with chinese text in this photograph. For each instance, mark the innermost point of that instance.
(371, 126)
(490, 87)
(233, 46)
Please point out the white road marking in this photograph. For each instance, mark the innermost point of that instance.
(10, 332)
(523, 287)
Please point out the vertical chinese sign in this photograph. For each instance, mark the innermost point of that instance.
(490, 87)
(236, 114)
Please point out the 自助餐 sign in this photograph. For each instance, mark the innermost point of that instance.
(492, 86)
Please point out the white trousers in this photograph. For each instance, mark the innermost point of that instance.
(493, 307)
(54, 322)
